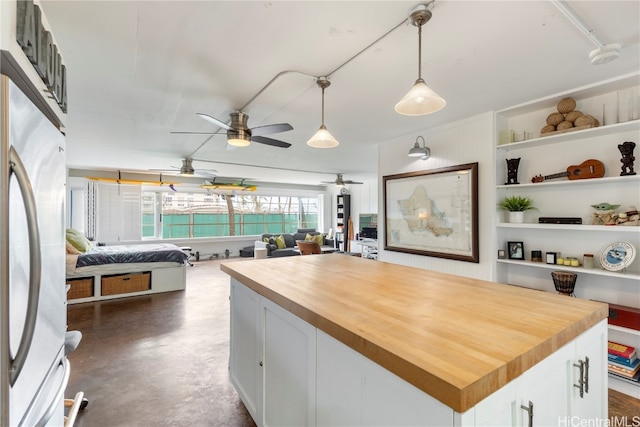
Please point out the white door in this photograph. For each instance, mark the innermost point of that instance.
(245, 357)
(289, 368)
(591, 345)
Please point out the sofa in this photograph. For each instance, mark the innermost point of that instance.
(268, 241)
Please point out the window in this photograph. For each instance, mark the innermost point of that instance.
(193, 215)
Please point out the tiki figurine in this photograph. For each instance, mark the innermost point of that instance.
(626, 149)
(512, 171)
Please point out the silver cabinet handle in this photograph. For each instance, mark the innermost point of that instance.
(529, 410)
(17, 167)
(586, 374)
(580, 384)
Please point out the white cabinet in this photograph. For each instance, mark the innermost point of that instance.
(245, 360)
(568, 383)
(352, 390)
(272, 360)
(288, 372)
(562, 197)
(289, 368)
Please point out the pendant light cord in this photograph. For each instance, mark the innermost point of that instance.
(283, 73)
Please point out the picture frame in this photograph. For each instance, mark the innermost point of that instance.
(551, 257)
(515, 250)
(433, 213)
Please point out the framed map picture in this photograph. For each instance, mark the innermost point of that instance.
(433, 213)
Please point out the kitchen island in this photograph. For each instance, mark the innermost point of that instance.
(339, 340)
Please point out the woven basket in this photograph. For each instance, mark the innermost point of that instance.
(80, 288)
(564, 281)
(566, 105)
(571, 116)
(125, 283)
(554, 118)
(586, 120)
(547, 129)
(564, 125)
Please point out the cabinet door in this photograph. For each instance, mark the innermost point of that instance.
(593, 403)
(289, 368)
(352, 390)
(245, 356)
(546, 386)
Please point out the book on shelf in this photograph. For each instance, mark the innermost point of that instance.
(622, 350)
(623, 369)
(633, 380)
(623, 360)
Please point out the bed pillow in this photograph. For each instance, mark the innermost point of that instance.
(77, 240)
(71, 250)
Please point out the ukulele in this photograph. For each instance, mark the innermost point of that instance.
(588, 169)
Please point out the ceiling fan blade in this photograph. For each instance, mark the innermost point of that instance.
(214, 121)
(196, 133)
(270, 141)
(353, 182)
(269, 129)
(206, 173)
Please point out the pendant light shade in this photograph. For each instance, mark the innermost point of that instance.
(322, 138)
(421, 99)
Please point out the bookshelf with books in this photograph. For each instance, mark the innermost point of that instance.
(623, 363)
(544, 154)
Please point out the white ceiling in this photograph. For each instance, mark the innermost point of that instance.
(140, 70)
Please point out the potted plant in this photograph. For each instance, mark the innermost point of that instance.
(516, 205)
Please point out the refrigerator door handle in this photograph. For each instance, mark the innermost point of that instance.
(59, 395)
(17, 167)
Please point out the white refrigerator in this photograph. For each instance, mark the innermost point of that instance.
(34, 370)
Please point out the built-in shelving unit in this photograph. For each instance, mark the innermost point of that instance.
(548, 155)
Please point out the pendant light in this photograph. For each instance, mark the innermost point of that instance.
(322, 138)
(421, 99)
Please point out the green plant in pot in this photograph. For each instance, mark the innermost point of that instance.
(516, 206)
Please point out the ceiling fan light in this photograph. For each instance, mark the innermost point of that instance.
(238, 142)
(420, 100)
(322, 139)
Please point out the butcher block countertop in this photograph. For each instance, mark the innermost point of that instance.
(455, 338)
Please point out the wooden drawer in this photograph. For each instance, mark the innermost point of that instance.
(80, 288)
(126, 283)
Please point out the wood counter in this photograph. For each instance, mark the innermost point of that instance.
(455, 338)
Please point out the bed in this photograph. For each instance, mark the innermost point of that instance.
(105, 272)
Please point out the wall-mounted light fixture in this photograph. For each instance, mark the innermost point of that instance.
(418, 151)
(421, 99)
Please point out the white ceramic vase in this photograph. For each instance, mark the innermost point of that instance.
(516, 217)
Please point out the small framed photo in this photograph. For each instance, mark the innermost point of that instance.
(551, 257)
(515, 250)
(501, 254)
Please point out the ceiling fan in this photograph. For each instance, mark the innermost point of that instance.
(240, 135)
(187, 169)
(341, 182)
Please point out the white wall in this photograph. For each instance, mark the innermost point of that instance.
(465, 141)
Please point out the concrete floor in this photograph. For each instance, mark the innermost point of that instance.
(158, 360)
(161, 360)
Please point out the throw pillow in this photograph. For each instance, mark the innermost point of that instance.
(77, 240)
(280, 242)
(266, 240)
(314, 238)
